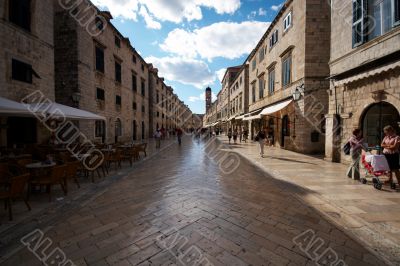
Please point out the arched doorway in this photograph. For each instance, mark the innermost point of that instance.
(285, 129)
(118, 129)
(134, 130)
(143, 131)
(375, 118)
(271, 130)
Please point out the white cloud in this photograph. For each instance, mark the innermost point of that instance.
(229, 40)
(154, 11)
(252, 15)
(221, 73)
(202, 97)
(150, 22)
(262, 12)
(276, 7)
(186, 71)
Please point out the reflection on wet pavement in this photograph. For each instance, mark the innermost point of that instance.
(181, 208)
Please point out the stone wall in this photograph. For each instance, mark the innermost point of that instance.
(35, 48)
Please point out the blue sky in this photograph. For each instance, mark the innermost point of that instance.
(191, 42)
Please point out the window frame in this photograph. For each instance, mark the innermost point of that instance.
(118, 71)
(118, 100)
(271, 81)
(274, 38)
(261, 87)
(287, 18)
(18, 75)
(99, 63)
(21, 18)
(284, 60)
(103, 93)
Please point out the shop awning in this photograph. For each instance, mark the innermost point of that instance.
(59, 111)
(13, 108)
(240, 117)
(369, 73)
(276, 107)
(254, 117)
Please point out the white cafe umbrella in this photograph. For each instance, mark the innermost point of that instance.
(13, 108)
(57, 111)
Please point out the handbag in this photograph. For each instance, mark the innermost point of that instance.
(256, 138)
(346, 148)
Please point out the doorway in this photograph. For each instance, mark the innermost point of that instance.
(285, 130)
(21, 130)
(375, 118)
(134, 130)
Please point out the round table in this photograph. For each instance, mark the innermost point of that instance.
(40, 165)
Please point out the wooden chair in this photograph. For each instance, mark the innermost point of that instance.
(16, 190)
(127, 155)
(71, 172)
(56, 177)
(142, 148)
(115, 158)
(22, 164)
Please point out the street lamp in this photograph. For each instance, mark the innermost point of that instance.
(297, 93)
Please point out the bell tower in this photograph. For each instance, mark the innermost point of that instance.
(208, 98)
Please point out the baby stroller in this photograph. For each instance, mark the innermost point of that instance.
(376, 170)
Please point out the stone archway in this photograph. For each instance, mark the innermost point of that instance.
(375, 117)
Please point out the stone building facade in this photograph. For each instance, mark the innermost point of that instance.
(102, 67)
(292, 54)
(365, 74)
(239, 98)
(26, 64)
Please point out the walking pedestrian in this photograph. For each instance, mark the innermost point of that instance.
(261, 141)
(235, 135)
(240, 134)
(229, 135)
(179, 134)
(356, 147)
(245, 135)
(391, 145)
(157, 136)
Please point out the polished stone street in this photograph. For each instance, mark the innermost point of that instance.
(184, 207)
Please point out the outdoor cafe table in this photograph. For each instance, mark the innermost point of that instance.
(37, 169)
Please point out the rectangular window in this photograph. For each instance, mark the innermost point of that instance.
(359, 14)
(287, 70)
(143, 88)
(100, 59)
(382, 15)
(134, 82)
(143, 67)
(261, 54)
(254, 64)
(261, 87)
(100, 95)
(134, 60)
(117, 41)
(271, 81)
(20, 13)
(253, 92)
(100, 129)
(287, 22)
(273, 39)
(118, 100)
(143, 109)
(99, 23)
(22, 71)
(134, 105)
(396, 12)
(118, 76)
